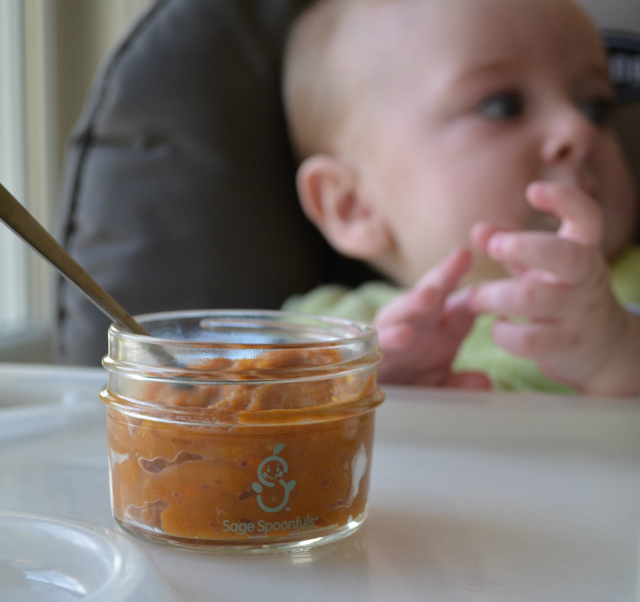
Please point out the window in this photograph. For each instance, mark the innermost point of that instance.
(14, 277)
(49, 51)
(27, 170)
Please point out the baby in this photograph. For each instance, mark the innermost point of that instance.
(423, 125)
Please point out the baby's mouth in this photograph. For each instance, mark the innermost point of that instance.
(584, 182)
(545, 222)
(590, 190)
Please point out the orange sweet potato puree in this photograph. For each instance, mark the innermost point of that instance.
(284, 461)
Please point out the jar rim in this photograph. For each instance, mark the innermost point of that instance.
(230, 335)
(362, 329)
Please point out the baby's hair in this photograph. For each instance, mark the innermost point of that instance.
(320, 84)
(309, 96)
(315, 101)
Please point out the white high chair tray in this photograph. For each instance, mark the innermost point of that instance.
(474, 496)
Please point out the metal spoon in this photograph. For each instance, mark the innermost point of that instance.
(29, 229)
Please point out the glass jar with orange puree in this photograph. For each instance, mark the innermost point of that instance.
(241, 431)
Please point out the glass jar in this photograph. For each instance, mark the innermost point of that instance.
(241, 431)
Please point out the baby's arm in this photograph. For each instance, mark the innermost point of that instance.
(576, 330)
(420, 331)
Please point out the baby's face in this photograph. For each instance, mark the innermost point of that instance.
(473, 100)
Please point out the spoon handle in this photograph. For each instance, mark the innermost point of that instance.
(29, 229)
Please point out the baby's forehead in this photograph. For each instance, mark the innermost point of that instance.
(381, 37)
(378, 21)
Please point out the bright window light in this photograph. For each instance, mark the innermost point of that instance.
(14, 281)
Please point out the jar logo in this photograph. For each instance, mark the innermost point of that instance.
(272, 468)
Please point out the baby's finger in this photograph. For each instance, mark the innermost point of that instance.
(581, 216)
(458, 315)
(568, 261)
(395, 337)
(458, 325)
(534, 341)
(524, 297)
(446, 275)
(467, 380)
(409, 306)
(430, 292)
(481, 233)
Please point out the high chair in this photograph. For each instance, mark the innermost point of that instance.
(178, 185)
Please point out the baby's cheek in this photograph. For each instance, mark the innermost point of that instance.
(620, 229)
(621, 206)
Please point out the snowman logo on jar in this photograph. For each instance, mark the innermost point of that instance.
(270, 471)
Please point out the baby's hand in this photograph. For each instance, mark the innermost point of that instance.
(575, 328)
(420, 331)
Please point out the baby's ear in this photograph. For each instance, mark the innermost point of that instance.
(331, 197)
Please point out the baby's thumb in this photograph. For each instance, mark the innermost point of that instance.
(481, 233)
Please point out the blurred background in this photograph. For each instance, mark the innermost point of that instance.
(50, 51)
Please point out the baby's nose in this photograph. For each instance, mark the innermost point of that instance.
(570, 138)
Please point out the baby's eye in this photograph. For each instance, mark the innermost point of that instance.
(598, 110)
(506, 105)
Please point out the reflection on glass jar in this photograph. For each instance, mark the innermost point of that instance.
(241, 431)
